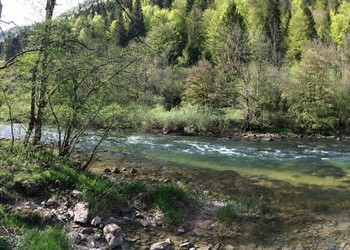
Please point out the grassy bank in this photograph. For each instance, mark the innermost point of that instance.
(106, 197)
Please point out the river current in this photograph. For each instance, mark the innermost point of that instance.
(323, 162)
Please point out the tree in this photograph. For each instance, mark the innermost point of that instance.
(42, 66)
(340, 22)
(311, 96)
(136, 26)
(120, 33)
(194, 46)
(199, 85)
(301, 31)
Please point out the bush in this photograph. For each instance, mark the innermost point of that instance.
(190, 117)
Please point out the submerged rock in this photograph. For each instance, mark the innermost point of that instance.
(116, 171)
(133, 171)
(267, 139)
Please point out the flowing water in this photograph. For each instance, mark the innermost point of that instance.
(322, 162)
(297, 161)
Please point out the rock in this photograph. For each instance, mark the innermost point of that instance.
(107, 170)
(343, 245)
(74, 237)
(158, 220)
(133, 171)
(87, 230)
(229, 247)
(81, 212)
(50, 203)
(76, 194)
(186, 245)
(96, 221)
(180, 231)
(29, 187)
(164, 245)
(139, 215)
(217, 246)
(116, 171)
(114, 235)
(173, 130)
(144, 223)
(267, 139)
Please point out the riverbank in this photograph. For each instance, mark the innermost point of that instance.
(254, 135)
(39, 190)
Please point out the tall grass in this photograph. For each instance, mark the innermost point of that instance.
(51, 238)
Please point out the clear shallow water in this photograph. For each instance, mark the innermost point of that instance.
(307, 161)
(321, 161)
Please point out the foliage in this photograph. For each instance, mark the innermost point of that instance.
(312, 94)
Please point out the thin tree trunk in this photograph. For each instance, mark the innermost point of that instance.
(32, 104)
(50, 5)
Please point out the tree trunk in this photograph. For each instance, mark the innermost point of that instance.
(50, 5)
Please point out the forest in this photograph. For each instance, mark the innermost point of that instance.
(181, 65)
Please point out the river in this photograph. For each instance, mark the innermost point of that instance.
(323, 162)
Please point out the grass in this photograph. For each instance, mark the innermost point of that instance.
(176, 203)
(53, 238)
(240, 209)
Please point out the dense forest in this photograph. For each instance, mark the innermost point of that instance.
(198, 65)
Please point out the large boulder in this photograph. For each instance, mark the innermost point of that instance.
(113, 235)
(81, 212)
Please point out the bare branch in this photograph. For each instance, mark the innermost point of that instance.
(13, 60)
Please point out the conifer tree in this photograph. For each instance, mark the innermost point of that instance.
(137, 26)
(120, 31)
(301, 30)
